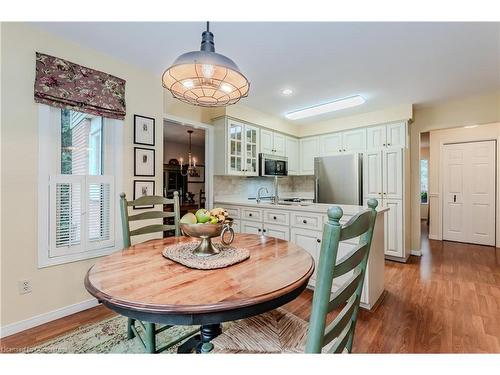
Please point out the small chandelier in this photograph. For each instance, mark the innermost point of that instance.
(191, 166)
(206, 78)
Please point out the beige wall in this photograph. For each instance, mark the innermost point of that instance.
(481, 109)
(57, 286)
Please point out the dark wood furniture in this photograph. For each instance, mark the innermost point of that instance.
(138, 282)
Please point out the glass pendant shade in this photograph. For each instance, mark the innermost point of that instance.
(206, 78)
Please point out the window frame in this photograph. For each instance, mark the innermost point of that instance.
(49, 164)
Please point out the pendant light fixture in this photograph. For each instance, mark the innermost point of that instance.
(191, 162)
(206, 78)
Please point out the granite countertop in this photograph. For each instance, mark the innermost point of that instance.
(307, 207)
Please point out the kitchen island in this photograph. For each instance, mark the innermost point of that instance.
(302, 224)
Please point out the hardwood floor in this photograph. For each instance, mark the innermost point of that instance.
(447, 301)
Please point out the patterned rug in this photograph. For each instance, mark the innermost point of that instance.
(107, 336)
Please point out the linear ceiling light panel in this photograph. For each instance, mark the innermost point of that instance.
(336, 105)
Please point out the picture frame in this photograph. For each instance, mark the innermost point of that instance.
(142, 188)
(144, 162)
(200, 178)
(144, 130)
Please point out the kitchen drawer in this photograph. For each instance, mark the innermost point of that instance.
(251, 214)
(234, 212)
(277, 217)
(306, 220)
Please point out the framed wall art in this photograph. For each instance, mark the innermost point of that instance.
(144, 162)
(143, 188)
(144, 130)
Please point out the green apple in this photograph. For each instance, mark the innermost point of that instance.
(202, 215)
(188, 218)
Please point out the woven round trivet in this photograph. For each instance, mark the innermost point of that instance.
(183, 254)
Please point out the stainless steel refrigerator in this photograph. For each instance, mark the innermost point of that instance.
(339, 179)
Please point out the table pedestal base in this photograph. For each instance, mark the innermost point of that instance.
(207, 333)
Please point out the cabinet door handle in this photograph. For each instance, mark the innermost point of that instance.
(344, 149)
(304, 221)
(383, 144)
(250, 214)
(260, 230)
(340, 150)
(454, 198)
(318, 240)
(264, 230)
(274, 217)
(388, 144)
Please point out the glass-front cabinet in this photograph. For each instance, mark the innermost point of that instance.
(243, 149)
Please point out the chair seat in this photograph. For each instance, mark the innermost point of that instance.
(276, 331)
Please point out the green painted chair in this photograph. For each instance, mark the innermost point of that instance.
(150, 329)
(278, 331)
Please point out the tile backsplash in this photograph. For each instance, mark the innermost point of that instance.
(246, 187)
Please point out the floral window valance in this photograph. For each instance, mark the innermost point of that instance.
(63, 84)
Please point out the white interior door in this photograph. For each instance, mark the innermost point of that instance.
(469, 192)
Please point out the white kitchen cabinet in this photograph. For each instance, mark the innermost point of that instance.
(394, 221)
(376, 137)
(354, 140)
(372, 174)
(279, 142)
(392, 171)
(292, 153)
(237, 148)
(310, 241)
(330, 144)
(272, 143)
(396, 135)
(309, 149)
(251, 227)
(383, 180)
(277, 231)
(382, 136)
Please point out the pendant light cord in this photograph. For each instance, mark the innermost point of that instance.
(208, 26)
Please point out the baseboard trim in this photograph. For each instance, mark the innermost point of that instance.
(434, 237)
(417, 253)
(37, 320)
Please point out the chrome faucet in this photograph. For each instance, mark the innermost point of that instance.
(258, 199)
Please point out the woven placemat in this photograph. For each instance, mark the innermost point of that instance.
(183, 254)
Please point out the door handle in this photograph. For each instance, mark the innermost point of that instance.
(454, 198)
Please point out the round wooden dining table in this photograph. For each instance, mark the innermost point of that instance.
(139, 283)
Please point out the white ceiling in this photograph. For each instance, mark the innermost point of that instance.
(177, 133)
(387, 63)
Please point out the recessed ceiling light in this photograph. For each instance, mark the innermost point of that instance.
(470, 126)
(287, 92)
(336, 105)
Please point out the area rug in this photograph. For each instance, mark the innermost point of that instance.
(107, 336)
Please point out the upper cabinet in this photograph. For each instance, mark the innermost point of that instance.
(354, 140)
(391, 135)
(236, 148)
(292, 153)
(330, 144)
(348, 141)
(308, 151)
(272, 143)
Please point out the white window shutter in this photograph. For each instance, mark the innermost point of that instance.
(100, 212)
(66, 208)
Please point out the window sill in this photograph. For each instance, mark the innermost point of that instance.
(46, 261)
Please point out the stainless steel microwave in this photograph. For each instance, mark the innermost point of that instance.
(272, 165)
